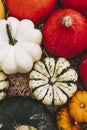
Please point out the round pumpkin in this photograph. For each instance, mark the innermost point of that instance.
(21, 111)
(80, 5)
(65, 122)
(53, 81)
(78, 106)
(35, 10)
(64, 33)
(83, 70)
(4, 85)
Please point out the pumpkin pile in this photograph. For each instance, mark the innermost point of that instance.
(71, 117)
(41, 41)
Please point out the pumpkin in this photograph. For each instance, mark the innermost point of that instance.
(17, 40)
(78, 106)
(53, 81)
(18, 112)
(4, 85)
(2, 10)
(80, 5)
(65, 122)
(83, 70)
(34, 10)
(64, 33)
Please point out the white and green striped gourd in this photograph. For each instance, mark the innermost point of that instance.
(25, 127)
(4, 85)
(53, 81)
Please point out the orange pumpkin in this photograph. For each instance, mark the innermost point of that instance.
(65, 122)
(34, 10)
(78, 106)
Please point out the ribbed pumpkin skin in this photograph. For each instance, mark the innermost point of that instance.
(80, 5)
(24, 111)
(78, 106)
(65, 41)
(53, 81)
(64, 121)
(4, 85)
(35, 10)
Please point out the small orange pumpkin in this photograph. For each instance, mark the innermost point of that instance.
(65, 122)
(78, 106)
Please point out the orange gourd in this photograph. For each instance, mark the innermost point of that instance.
(65, 122)
(78, 106)
(34, 10)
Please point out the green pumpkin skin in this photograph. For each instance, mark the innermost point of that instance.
(24, 111)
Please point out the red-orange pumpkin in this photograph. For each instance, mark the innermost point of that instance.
(83, 70)
(80, 5)
(65, 33)
(35, 10)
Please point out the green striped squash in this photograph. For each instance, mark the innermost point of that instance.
(25, 127)
(53, 81)
(4, 85)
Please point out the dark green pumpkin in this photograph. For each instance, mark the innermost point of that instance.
(24, 111)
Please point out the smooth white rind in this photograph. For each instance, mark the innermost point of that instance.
(20, 57)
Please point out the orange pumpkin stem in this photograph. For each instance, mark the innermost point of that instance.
(67, 21)
(82, 105)
(75, 122)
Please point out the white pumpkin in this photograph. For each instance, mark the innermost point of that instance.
(19, 45)
(53, 82)
(4, 85)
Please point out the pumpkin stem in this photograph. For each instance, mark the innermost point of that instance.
(11, 40)
(82, 105)
(67, 21)
(74, 122)
(53, 79)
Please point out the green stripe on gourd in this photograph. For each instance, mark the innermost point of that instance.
(25, 127)
(4, 85)
(53, 81)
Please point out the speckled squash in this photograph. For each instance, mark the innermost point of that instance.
(53, 81)
(65, 122)
(4, 85)
(20, 111)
